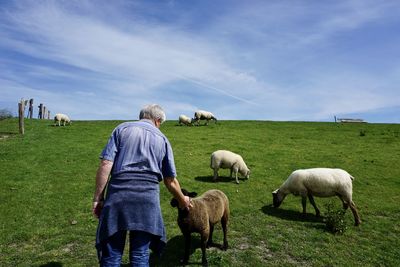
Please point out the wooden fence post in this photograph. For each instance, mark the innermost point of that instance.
(42, 112)
(30, 111)
(40, 115)
(21, 108)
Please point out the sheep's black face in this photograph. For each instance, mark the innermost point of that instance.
(275, 199)
(174, 203)
(187, 193)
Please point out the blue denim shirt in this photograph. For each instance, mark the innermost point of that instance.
(139, 147)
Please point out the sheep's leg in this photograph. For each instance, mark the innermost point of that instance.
(311, 198)
(353, 208)
(304, 203)
(231, 173)
(210, 241)
(204, 239)
(235, 169)
(185, 259)
(224, 223)
(345, 204)
(215, 174)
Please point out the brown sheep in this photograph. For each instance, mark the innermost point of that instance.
(207, 210)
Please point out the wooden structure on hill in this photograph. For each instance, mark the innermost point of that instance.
(346, 120)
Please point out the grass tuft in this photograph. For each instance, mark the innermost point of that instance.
(334, 219)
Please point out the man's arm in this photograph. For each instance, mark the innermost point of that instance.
(174, 188)
(102, 175)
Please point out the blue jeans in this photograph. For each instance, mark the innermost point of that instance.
(113, 248)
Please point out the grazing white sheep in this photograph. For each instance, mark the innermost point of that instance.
(225, 159)
(58, 118)
(203, 115)
(183, 119)
(319, 182)
(208, 209)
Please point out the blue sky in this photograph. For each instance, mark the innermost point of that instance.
(259, 60)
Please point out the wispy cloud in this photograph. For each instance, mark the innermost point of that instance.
(146, 59)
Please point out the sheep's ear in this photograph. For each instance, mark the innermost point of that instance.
(184, 192)
(174, 203)
(192, 194)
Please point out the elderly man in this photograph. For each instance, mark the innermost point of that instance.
(138, 156)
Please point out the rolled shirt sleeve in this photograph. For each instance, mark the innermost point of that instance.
(110, 150)
(168, 163)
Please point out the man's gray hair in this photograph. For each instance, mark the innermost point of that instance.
(152, 112)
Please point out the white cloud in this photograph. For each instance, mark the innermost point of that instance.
(146, 59)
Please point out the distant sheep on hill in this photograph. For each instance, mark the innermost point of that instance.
(61, 118)
(183, 119)
(319, 182)
(203, 115)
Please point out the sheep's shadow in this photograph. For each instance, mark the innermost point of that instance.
(56, 126)
(220, 179)
(290, 215)
(201, 124)
(4, 135)
(52, 264)
(8, 133)
(193, 125)
(183, 125)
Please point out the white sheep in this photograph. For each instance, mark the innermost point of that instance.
(183, 119)
(225, 159)
(207, 210)
(203, 115)
(58, 118)
(319, 182)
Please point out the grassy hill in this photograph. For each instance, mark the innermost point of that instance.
(47, 183)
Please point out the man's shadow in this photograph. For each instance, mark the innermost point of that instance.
(173, 252)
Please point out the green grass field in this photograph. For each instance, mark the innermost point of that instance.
(47, 183)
